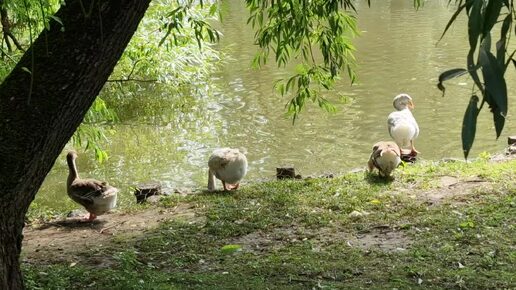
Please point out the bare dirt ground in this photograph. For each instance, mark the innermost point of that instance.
(64, 240)
(453, 190)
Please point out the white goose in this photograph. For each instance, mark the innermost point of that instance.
(386, 157)
(403, 127)
(229, 165)
(96, 196)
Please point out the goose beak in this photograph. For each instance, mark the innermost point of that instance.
(411, 105)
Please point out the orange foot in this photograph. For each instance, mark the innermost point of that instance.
(91, 217)
(228, 186)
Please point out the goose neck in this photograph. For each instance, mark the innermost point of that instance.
(72, 169)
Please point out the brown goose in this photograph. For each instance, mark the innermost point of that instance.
(96, 196)
(229, 165)
(385, 157)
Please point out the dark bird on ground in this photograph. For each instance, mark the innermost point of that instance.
(96, 196)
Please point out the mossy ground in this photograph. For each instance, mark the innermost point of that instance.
(437, 225)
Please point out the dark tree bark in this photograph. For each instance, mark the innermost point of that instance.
(40, 110)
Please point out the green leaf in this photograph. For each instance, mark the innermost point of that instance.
(469, 125)
(25, 69)
(509, 59)
(230, 249)
(449, 74)
(472, 69)
(467, 225)
(452, 73)
(491, 15)
(57, 19)
(475, 21)
(498, 119)
(213, 8)
(495, 87)
(486, 42)
(500, 45)
(452, 19)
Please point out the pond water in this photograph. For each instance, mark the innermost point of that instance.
(398, 51)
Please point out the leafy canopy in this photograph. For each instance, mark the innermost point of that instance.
(170, 55)
(316, 35)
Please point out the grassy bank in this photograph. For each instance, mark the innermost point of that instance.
(436, 226)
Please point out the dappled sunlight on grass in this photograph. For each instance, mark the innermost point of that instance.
(354, 231)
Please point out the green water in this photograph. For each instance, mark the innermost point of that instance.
(397, 52)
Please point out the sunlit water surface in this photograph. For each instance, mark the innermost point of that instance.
(398, 51)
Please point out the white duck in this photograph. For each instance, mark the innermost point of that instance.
(229, 165)
(96, 196)
(403, 127)
(385, 157)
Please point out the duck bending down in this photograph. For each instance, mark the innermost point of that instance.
(402, 125)
(385, 157)
(229, 165)
(96, 196)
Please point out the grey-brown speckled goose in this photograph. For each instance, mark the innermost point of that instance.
(96, 196)
(385, 157)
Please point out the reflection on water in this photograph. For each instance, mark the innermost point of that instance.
(397, 52)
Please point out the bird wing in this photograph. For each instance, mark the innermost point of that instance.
(217, 162)
(402, 119)
(381, 147)
(84, 191)
(222, 157)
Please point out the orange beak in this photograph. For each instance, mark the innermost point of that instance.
(411, 105)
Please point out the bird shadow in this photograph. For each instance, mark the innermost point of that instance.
(217, 192)
(375, 178)
(74, 223)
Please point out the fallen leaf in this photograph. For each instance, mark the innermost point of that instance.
(375, 201)
(229, 249)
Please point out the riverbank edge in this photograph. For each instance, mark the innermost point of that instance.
(420, 228)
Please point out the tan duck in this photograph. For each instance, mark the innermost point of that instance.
(385, 157)
(229, 166)
(96, 196)
(402, 125)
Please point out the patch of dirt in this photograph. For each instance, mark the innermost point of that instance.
(451, 188)
(65, 240)
(382, 238)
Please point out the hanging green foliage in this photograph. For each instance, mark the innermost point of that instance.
(318, 34)
(483, 17)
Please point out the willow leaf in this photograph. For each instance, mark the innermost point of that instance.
(452, 19)
(469, 125)
(495, 87)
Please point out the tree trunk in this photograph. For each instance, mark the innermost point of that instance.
(45, 98)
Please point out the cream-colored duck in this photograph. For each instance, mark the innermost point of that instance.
(402, 125)
(229, 165)
(385, 157)
(96, 196)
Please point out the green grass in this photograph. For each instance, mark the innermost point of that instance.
(300, 235)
